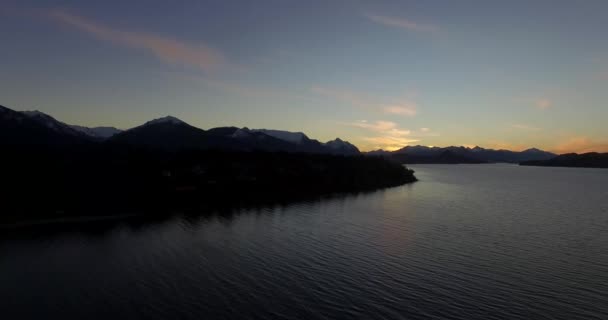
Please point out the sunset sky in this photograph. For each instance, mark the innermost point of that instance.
(381, 74)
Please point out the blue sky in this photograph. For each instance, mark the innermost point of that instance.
(381, 74)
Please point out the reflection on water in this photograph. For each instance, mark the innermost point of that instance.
(466, 242)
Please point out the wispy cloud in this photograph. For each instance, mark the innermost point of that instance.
(166, 49)
(387, 135)
(402, 107)
(401, 23)
(405, 109)
(543, 103)
(386, 127)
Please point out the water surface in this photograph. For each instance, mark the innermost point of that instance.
(466, 242)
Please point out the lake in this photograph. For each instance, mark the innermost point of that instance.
(465, 242)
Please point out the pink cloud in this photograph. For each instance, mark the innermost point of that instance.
(401, 23)
(386, 135)
(164, 48)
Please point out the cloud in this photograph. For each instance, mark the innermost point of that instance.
(387, 135)
(405, 109)
(580, 145)
(166, 49)
(543, 104)
(381, 127)
(387, 143)
(402, 107)
(401, 23)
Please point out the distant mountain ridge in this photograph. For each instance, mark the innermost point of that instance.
(168, 133)
(584, 160)
(454, 155)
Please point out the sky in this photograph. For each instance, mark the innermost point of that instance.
(380, 74)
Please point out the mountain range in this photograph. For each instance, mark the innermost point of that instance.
(168, 133)
(455, 155)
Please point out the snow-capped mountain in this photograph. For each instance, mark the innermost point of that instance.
(169, 133)
(51, 123)
(35, 129)
(342, 147)
(74, 130)
(241, 133)
(165, 120)
(97, 132)
(165, 133)
(293, 137)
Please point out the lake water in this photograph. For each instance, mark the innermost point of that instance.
(466, 242)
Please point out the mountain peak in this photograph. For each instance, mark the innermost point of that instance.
(341, 146)
(50, 122)
(36, 113)
(167, 119)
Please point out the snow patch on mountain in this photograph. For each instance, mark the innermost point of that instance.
(293, 137)
(50, 122)
(241, 133)
(163, 120)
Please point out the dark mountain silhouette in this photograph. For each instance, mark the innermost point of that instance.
(453, 155)
(444, 157)
(168, 133)
(33, 128)
(585, 160)
(249, 140)
(339, 146)
(52, 123)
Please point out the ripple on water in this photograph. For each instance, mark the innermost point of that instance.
(466, 242)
